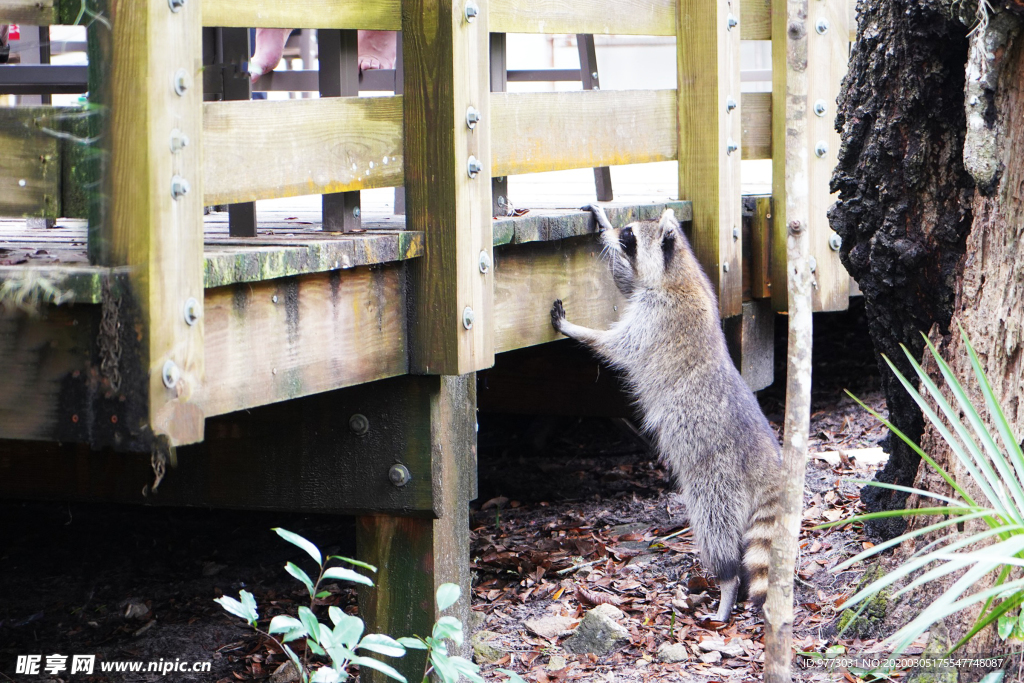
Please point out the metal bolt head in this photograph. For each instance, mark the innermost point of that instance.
(472, 117)
(731, 146)
(474, 167)
(835, 241)
(274, 298)
(732, 22)
(820, 107)
(191, 311)
(356, 212)
(472, 10)
(180, 81)
(468, 318)
(735, 233)
(725, 267)
(179, 187)
(176, 5)
(821, 26)
(171, 374)
(358, 424)
(813, 263)
(796, 227)
(730, 104)
(399, 475)
(485, 262)
(821, 149)
(593, 75)
(179, 141)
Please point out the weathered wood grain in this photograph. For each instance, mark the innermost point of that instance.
(159, 236)
(30, 12)
(534, 132)
(543, 225)
(291, 337)
(261, 150)
(760, 247)
(708, 76)
(529, 278)
(751, 340)
(445, 73)
(30, 163)
(756, 119)
(379, 15)
(614, 17)
(755, 19)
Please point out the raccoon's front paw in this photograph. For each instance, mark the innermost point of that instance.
(557, 315)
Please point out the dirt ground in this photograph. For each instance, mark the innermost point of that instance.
(572, 513)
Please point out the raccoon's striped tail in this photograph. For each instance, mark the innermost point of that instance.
(757, 550)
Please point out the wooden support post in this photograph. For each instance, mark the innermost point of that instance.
(414, 556)
(339, 77)
(499, 83)
(447, 184)
(589, 77)
(827, 58)
(234, 51)
(157, 209)
(708, 73)
(760, 246)
(399, 89)
(751, 339)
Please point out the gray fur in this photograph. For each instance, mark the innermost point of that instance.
(705, 421)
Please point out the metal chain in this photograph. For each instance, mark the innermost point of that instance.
(110, 337)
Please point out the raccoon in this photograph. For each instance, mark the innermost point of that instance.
(704, 420)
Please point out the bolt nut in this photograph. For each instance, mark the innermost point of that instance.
(821, 149)
(730, 104)
(179, 141)
(732, 22)
(171, 374)
(835, 241)
(820, 107)
(474, 167)
(180, 81)
(485, 262)
(179, 187)
(468, 318)
(821, 26)
(731, 146)
(813, 263)
(358, 424)
(725, 267)
(273, 299)
(735, 233)
(191, 311)
(472, 117)
(472, 10)
(399, 475)
(176, 5)
(356, 212)
(593, 75)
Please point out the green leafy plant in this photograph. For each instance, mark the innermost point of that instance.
(341, 641)
(996, 470)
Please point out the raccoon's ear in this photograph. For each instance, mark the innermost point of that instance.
(668, 220)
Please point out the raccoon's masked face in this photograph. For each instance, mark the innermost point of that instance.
(641, 254)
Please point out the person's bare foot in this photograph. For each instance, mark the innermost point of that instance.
(269, 48)
(377, 49)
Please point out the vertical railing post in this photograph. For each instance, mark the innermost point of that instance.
(708, 74)
(156, 226)
(447, 183)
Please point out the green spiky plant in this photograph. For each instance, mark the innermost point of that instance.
(996, 470)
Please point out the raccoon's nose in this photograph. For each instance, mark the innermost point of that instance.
(628, 240)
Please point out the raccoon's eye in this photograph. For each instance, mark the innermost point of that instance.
(628, 241)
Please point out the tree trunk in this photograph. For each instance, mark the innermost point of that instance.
(905, 197)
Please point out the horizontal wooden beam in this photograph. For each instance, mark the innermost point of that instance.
(263, 150)
(755, 19)
(756, 119)
(30, 12)
(378, 15)
(534, 132)
(544, 225)
(282, 339)
(613, 17)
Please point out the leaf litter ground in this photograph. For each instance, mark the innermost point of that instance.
(572, 514)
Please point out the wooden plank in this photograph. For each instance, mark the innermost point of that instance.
(751, 340)
(30, 12)
(756, 19)
(380, 15)
(446, 73)
(760, 247)
(534, 132)
(611, 17)
(529, 278)
(30, 178)
(334, 144)
(301, 455)
(542, 225)
(416, 556)
(158, 235)
(827, 59)
(756, 119)
(709, 129)
(281, 339)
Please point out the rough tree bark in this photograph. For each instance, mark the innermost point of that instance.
(905, 197)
